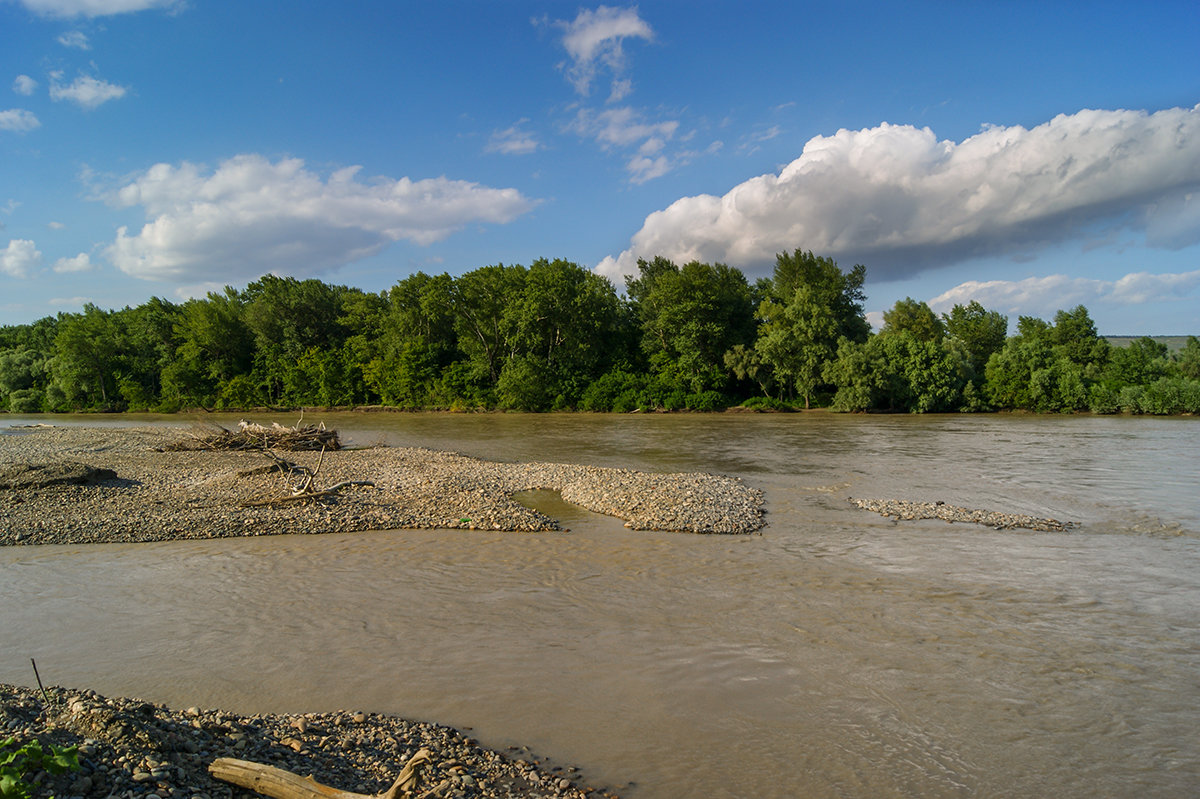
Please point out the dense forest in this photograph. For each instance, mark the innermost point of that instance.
(556, 336)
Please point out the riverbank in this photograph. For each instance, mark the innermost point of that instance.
(152, 493)
(130, 749)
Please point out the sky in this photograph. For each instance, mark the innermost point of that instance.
(1031, 156)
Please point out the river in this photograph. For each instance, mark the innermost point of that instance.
(837, 654)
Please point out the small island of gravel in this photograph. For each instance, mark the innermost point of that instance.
(113, 484)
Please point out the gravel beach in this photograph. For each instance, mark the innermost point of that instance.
(150, 493)
(130, 749)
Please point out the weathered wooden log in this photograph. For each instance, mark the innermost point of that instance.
(280, 784)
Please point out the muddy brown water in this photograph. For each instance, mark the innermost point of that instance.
(837, 654)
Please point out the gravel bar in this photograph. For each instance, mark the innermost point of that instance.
(159, 495)
(130, 749)
(902, 509)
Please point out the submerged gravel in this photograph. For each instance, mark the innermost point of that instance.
(905, 510)
(130, 749)
(163, 495)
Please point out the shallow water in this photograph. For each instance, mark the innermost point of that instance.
(836, 654)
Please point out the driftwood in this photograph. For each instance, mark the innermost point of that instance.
(304, 490)
(280, 784)
(251, 436)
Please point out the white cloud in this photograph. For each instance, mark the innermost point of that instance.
(19, 258)
(624, 128)
(75, 39)
(1043, 296)
(19, 120)
(55, 225)
(94, 8)
(68, 302)
(80, 263)
(251, 216)
(900, 200)
(595, 39)
(620, 127)
(513, 141)
(86, 92)
(24, 85)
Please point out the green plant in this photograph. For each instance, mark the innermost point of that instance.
(17, 763)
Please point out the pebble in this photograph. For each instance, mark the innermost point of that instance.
(164, 495)
(906, 510)
(135, 750)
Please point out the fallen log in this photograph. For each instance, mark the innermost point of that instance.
(280, 784)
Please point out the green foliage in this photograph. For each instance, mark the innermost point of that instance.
(898, 372)
(811, 306)
(19, 763)
(556, 336)
(619, 391)
(1188, 359)
(981, 332)
(915, 318)
(768, 404)
(689, 317)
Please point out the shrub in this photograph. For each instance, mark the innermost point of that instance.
(766, 404)
(18, 764)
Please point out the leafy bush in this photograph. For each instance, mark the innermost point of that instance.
(618, 391)
(706, 401)
(764, 404)
(19, 764)
(1103, 399)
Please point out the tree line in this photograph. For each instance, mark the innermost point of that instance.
(556, 336)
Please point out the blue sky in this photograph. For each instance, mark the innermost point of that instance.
(1033, 156)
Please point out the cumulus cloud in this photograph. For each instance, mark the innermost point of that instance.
(900, 200)
(24, 85)
(80, 263)
(595, 39)
(19, 258)
(251, 216)
(1043, 296)
(75, 39)
(19, 120)
(93, 8)
(513, 141)
(85, 91)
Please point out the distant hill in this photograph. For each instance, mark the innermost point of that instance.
(1174, 343)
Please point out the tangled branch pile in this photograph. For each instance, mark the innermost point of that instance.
(251, 436)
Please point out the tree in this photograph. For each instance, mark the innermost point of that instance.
(982, 332)
(479, 301)
(914, 317)
(215, 345)
(689, 317)
(1074, 337)
(812, 306)
(897, 372)
(288, 318)
(563, 327)
(1141, 362)
(416, 341)
(85, 352)
(1188, 359)
(1032, 371)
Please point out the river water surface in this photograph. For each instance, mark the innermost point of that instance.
(837, 654)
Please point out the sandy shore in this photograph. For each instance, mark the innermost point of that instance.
(159, 495)
(129, 749)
